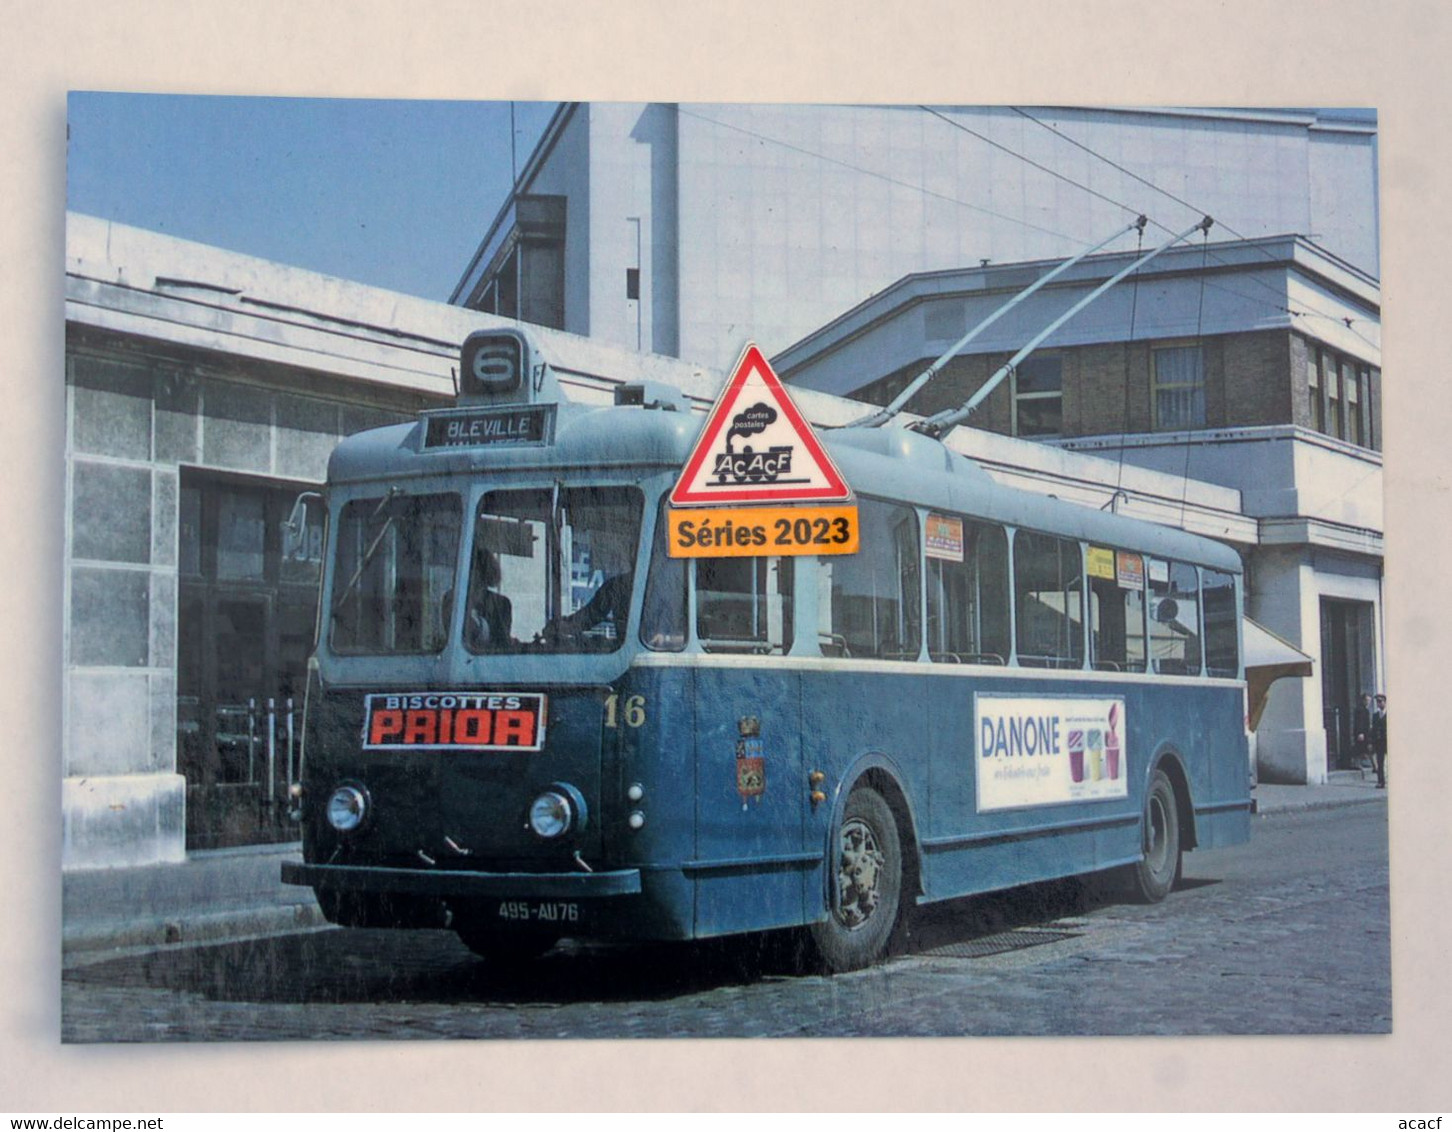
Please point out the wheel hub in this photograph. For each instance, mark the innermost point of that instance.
(858, 874)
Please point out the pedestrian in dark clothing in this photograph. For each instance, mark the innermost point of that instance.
(1361, 729)
(1378, 741)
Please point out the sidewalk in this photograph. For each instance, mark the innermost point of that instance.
(1345, 788)
(222, 894)
(231, 893)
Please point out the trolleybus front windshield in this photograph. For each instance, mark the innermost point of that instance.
(552, 569)
(394, 574)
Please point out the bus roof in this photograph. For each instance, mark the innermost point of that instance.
(890, 463)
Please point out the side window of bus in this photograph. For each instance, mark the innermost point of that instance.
(744, 604)
(663, 615)
(967, 579)
(1049, 599)
(869, 603)
(1116, 609)
(1174, 617)
(1222, 657)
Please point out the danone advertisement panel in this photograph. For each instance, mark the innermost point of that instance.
(1040, 751)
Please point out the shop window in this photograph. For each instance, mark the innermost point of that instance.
(1048, 601)
(1116, 609)
(967, 584)
(868, 604)
(1174, 617)
(1179, 387)
(1038, 396)
(241, 536)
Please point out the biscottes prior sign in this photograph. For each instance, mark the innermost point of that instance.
(460, 721)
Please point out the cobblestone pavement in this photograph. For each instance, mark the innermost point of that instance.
(1289, 934)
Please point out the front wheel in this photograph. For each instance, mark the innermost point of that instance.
(1159, 868)
(866, 887)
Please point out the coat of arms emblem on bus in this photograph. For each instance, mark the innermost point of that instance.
(750, 761)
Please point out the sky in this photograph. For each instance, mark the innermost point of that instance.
(396, 194)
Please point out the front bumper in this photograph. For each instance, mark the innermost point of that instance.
(462, 883)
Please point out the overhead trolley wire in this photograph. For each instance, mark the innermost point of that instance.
(1311, 311)
(1030, 161)
(1281, 306)
(1111, 200)
(878, 175)
(882, 176)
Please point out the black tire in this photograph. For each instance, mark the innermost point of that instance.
(1154, 876)
(865, 888)
(505, 948)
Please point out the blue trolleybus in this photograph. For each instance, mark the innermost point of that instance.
(527, 720)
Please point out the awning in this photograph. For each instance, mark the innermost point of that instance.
(1267, 659)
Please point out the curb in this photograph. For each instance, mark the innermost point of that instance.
(202, 927)
(1263, 810)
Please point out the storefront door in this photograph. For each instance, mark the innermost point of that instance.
(1348, 668)
(245, 625)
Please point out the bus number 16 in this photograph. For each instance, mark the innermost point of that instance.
(634, 712)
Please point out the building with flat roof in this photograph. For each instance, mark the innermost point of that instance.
(686, 228)
(1259, 370)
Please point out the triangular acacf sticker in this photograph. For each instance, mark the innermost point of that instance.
(757, 447)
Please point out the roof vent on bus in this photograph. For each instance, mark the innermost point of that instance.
(651, 395)
(499, 367)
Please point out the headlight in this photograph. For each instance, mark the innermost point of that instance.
(347, 807)
(550, 814)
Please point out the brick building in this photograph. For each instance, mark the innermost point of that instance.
(1255, 365)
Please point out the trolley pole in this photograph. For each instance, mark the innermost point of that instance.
(940, 423)
(885, 414)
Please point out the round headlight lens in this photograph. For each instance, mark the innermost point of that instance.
(346, 808)
(550, 814)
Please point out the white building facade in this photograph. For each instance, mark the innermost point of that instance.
(684, 228)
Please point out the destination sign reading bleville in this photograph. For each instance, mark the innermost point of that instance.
(475, 428)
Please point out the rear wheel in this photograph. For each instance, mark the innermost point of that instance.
(866, 887)
(1159, 868)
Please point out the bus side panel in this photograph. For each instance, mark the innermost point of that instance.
(1227, 822)
(653, 747)
(1205, 726)
(748, 863)
(853, 716)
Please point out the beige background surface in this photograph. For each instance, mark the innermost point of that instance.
(1239, 52)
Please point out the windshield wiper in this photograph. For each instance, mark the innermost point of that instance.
(370, 552)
